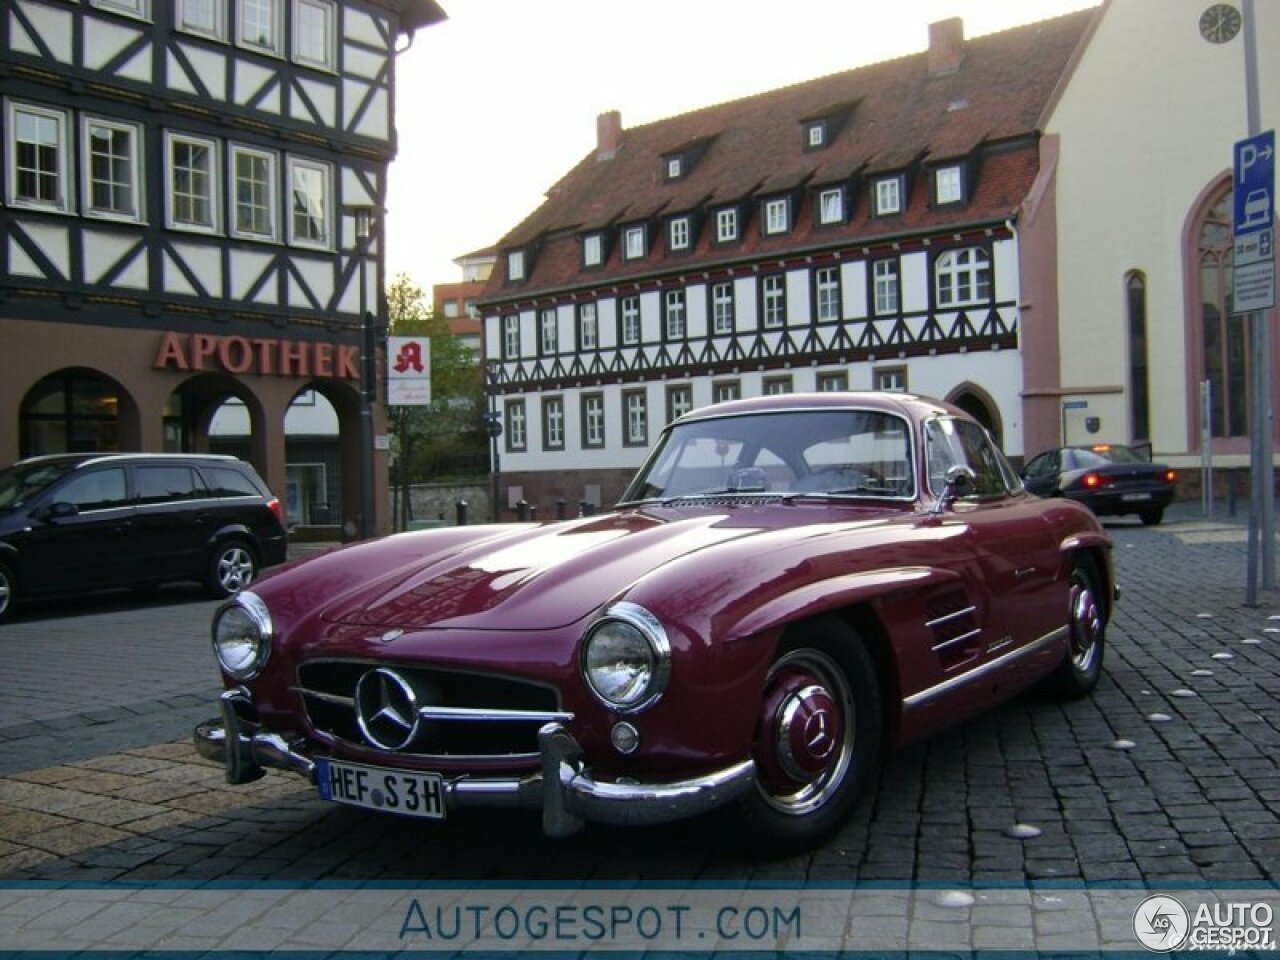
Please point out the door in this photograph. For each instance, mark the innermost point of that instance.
(82, 534)
(176, 519)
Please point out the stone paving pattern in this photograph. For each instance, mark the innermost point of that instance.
(95, 786)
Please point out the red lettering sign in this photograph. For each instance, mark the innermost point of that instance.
(242, 355)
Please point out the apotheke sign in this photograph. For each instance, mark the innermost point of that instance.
(199, 352)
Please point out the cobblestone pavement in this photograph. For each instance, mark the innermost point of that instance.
(1168, 774)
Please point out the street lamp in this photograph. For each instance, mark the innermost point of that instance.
(368, 373)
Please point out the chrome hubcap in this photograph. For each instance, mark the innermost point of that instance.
(805, 745)
(235, 570)
(5, 592)
(1086, 623)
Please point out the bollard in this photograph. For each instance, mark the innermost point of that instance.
(462, 513)
(1232, 493)
(522, 511)
(560, 505)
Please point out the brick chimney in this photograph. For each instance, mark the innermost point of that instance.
(608, 134)
(946, 46)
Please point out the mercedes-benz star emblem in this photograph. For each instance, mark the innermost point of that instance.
(386, 709)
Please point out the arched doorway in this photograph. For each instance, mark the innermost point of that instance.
(76, 410)
(975, 402)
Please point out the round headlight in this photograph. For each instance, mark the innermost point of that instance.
(242, 636)
(626, 659)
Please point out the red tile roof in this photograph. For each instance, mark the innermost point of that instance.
(897, 115)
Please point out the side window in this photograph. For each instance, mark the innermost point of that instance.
(959, 442)
(226, 482)
(98, 490)
(164, 484)
(1041, 466)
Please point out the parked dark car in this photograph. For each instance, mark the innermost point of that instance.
(1110, 479)
(73, 523)
(791, 586)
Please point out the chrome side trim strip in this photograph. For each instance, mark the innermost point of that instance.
(949, 617)
(977, 673)
(937, 647)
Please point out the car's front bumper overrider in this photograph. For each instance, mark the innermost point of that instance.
(563, 789)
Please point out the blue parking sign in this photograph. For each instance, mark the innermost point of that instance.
(1254, 183)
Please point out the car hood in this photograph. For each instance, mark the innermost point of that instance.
(547, 577)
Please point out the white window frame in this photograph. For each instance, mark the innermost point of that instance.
(826, 283)
(553, 423)
(778, 386)
(636, 418)
(891, 379)
(888, 196)
(835, 381)
(515, 265)
(673, 314)
(679, 401)
(593, 427)
(774, 297)
(272, 45)
(300, 165)
(723, 391)
(517, 426)
(948, 185)
(548, 332)
(133, 179)
(138, 9)
(326, 58)
(817, 135)
(831, 205)
(511, 336)
(629, 310)
(189, 16)
(62, 203)
(592, 250)
(211, 177)
(962, 277)
(777, 216)
(678, 233)
(727, 225)
(272, 185)
(675, 168)
(588, 327)
(885, 281)
(633, 243)
(722, 307)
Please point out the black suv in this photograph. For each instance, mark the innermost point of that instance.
(71, 523)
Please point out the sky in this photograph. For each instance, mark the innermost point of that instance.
(497, 103)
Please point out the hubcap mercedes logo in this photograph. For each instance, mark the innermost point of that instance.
(386, 709)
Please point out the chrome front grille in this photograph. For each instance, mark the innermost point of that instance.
(459, 714)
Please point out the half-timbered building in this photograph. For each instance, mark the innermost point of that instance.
(188, 188)
(878, 228)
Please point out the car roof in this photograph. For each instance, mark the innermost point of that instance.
(910, 405)
(85, 459)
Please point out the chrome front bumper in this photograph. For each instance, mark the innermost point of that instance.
(563, 789)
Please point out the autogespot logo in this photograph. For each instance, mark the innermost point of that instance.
(1161, 923)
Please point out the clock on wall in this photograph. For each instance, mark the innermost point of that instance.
(1219, 23)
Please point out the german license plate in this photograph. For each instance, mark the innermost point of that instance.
(1133, 497)
(376, 788)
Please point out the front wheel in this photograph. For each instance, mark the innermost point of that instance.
(232, 567)
(1087, 632)
(8, 591)
(818, 739)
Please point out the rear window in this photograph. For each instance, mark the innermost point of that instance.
(164, 484)
(229, 482)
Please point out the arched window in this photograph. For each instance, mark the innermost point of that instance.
(1224, 336)
(70, 411)
(1139, 375)
(963, 277)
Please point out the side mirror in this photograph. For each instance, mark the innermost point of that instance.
(960, 482)
(58, 511)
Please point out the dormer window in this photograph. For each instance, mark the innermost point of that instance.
(727, 225)
(777, 216)
(815, 137)
(675, 167)
(831, 205)
(592, 250)
(515, 265)
(633, 243)
(678, 233)
(888, 191)
(948, 185)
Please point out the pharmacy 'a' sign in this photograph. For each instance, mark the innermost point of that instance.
(408, 371)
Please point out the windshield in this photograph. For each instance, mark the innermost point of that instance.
(22, 481)
(853, 453)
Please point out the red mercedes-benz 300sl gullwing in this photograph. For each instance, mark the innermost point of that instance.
(791, 587)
